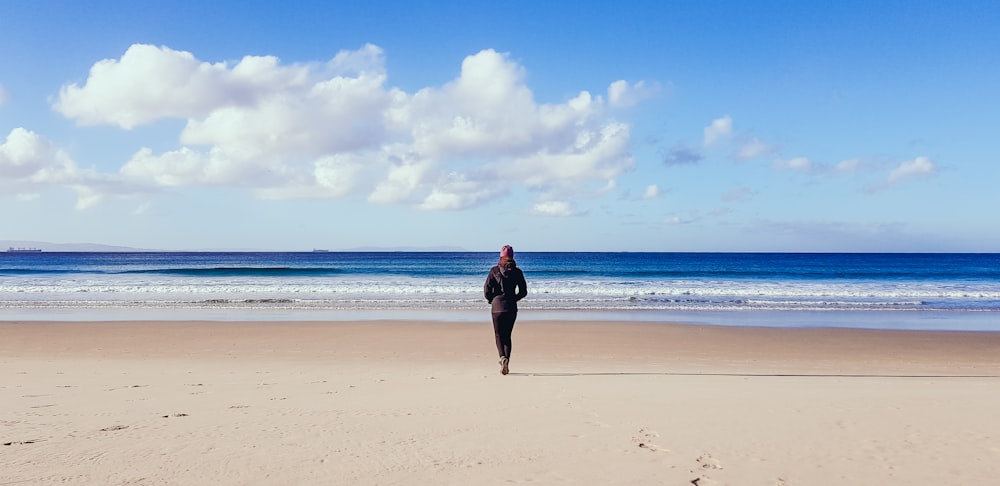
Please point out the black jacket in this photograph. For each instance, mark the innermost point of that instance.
(504, 287)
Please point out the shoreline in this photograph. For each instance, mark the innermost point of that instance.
(587, 402)
(646, 343)
(972, 321)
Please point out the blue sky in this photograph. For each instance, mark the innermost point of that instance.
(551, 126)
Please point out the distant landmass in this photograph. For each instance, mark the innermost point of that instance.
(46, 246)
(408, 248)
(95, 247)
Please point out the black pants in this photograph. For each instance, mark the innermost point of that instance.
(503, 325)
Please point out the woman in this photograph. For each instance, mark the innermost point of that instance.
(505, 286)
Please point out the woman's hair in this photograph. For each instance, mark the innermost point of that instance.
(507, 262)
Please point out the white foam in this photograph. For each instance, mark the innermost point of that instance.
(466, 293)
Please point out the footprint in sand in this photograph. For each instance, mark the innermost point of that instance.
(644, 439)
(19, 442)
(126, 387)
(709, 462)
(114, 427)
(704, 481)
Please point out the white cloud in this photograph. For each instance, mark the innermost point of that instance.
(29, 162)
(652, 192)
(488, 112)
(27, 157)
(402, 181)
(847, 166)
(807, 165)
(457, 192)
(87, 196)
(918, 167)
(610, 186)
(594, 155)
(720, 133)
(621, 94)
(339, 174)
(719, 129)
(754, 148)
(801, 164)
(187, 167)
(910, 169)
(149, 83)
(553, 208)
(335, 129)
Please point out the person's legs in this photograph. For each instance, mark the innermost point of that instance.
(503, 326)
(498, 320)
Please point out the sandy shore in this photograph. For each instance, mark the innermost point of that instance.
(424, 403)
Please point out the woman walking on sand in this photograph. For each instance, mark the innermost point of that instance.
(504, 286)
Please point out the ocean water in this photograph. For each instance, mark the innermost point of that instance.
(948, 291)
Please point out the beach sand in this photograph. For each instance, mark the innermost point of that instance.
(233, 403)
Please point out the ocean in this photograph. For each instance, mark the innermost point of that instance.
(911, 291)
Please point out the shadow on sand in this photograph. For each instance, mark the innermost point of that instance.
(753, 375)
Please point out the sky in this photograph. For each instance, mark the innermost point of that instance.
(851, 126)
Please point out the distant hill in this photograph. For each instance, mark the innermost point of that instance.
(408, 248)
(94, 247)
(45, 246)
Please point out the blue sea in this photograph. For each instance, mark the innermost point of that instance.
(905, 291)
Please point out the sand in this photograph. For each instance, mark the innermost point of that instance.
(233, 403)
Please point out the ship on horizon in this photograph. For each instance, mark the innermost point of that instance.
(11, 249)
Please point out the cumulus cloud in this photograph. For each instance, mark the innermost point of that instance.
(335, 129)
(456, 191)
(553, 208)
(27, 157)
(404, 177)
(652, 192)
(801, 164)
(754, 148)
(918, 167)
(720, 129)
(815, 168)
(30, 162)
(621, 94)
(149, 83)
(720, 133)
(847, 166)
(599, 154)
